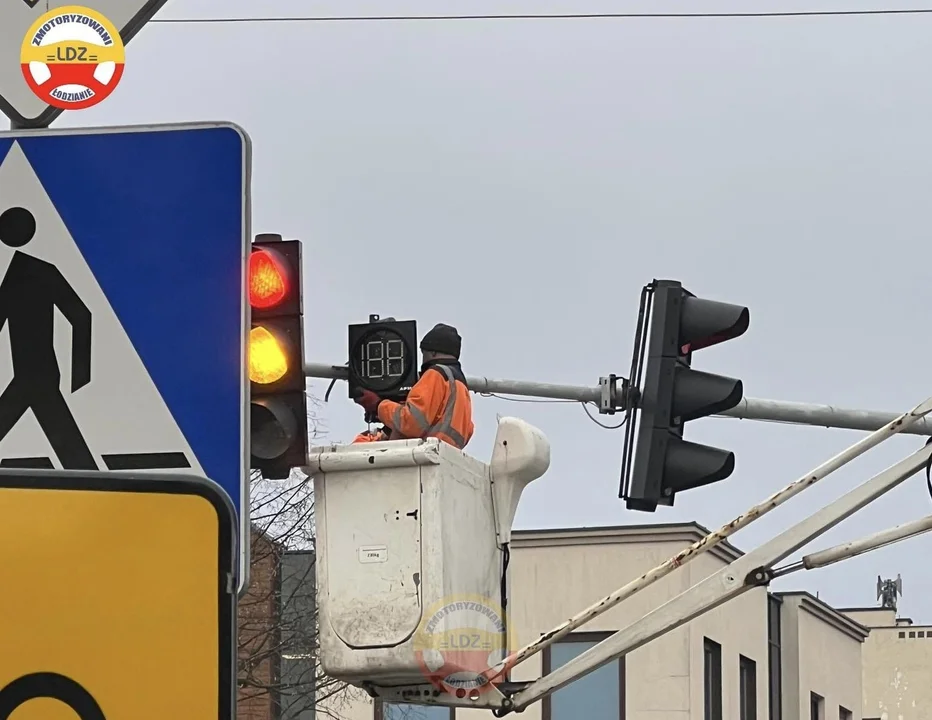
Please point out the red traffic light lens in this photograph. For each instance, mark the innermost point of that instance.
(268, 280)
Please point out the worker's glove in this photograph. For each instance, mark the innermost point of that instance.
(369, 401)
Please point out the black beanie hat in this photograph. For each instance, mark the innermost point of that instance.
(443, 339)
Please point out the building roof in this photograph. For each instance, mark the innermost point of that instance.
(827, 613)
(873, 608)
(684, 533)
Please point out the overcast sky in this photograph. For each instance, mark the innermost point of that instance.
(522, 180)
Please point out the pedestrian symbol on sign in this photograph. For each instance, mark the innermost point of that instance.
(29, 293)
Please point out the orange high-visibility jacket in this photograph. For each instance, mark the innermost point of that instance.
(437, 406)
(374, 436)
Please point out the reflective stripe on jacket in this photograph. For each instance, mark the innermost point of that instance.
(437, 406)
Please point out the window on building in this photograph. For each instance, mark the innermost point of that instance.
(816, 707)
(747, 670)
(296, 635)
(713, 679)
(403, 711)
(844, 713)
(774, 660)
(600, 695)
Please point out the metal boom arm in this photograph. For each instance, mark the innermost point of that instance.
(749, 571)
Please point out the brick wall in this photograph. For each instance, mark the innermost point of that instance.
(258, 644)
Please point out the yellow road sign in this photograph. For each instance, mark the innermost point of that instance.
(116, 597)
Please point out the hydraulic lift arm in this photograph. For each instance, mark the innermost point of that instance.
(749, 571)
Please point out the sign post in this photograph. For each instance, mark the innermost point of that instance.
(118, 598)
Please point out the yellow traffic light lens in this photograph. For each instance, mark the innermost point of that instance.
(268, 362)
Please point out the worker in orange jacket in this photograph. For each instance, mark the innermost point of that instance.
(439, 404)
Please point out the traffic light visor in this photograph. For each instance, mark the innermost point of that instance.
(268, 359)
(268, 279)
(704, 323)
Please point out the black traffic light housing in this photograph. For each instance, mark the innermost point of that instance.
(383, 358)
(278, 403)
(672, 393)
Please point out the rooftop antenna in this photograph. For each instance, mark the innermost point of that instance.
(888, 590)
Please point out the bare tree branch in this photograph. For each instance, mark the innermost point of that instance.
(279, 673)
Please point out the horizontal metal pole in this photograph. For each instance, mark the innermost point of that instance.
(481, 385)
(326, 372)
(524, 388)
(779, 411)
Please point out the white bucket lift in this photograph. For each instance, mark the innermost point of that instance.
(402, 526)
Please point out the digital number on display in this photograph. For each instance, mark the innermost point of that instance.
(383, 359)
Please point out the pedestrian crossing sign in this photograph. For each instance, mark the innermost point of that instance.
(123, 311)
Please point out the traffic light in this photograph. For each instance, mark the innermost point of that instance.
(278, 404)
(383, 358)
(673, 393)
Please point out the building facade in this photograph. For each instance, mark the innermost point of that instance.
(276, 635)
(759, 656)
(821, 659)
(258, 655)
(298, 636)
(897, 665)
